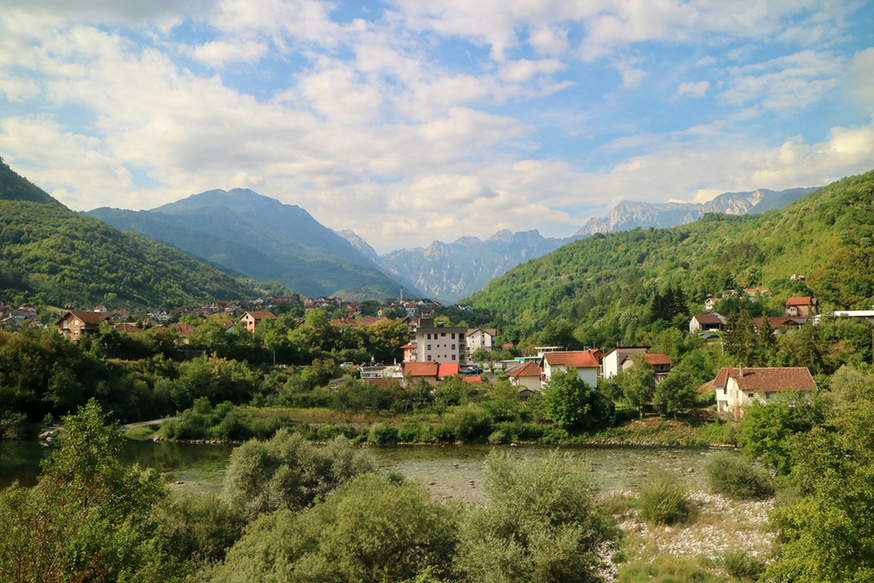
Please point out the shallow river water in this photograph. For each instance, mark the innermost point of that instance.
(453, 470)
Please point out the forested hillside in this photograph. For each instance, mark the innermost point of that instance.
(52, 255)
(610, 285)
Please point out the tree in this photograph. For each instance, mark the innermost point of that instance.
(764, 430)
(569, 401)
(638, 382)
(538, 526)
(675, 393)
(828, 534)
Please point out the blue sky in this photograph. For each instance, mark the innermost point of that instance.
(410, 121)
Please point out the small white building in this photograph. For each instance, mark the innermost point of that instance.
(481, 338)
(739, 387)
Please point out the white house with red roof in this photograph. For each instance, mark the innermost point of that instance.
(584, 361)
(740, 387)
(526, 377)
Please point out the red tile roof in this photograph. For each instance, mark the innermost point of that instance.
(529, 369)
(768, 380)
(658, 358)
(430, 369)
(582, 359)
(92, 318)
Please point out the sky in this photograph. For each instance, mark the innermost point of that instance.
(410, 121)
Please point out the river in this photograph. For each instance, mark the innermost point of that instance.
(452, 470)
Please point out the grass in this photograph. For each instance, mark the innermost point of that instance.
(667, 569)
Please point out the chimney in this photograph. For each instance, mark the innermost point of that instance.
(740, 370)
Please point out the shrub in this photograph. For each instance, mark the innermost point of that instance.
(736, 478)
(410, 433)
(740, 565)
(468, 423)
(382, 433)
(664, 501)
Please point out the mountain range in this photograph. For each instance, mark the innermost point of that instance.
(244, 232)
(452, 271)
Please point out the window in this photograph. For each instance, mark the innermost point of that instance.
(429, 336)
(453, 357)
(453, 335)
(453, 347)
(429, 358)
(442, 334)
(429, 347)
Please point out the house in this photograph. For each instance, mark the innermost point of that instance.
(739, 387)
(481, 338)
(438, 343)
(584, 361)
(803, 306)
(661, 364)
(780, 323)
(128, 328)
(613, 361)
(250, 320)
(527, 378)
(74, 325)
(432, 372)
(707, 321)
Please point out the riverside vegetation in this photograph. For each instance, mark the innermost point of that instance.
(293, 511)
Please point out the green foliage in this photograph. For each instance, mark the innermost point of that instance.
(370, 530)
(88, 519)
(665, 569)
(665, 501)
(468, 423)
(638, 382)
(740, 565)
(764, 430)
(571, 403)
(287, 472)
(539, 524)
(200, 527)
(383, 433)
(675, 393)
(733, 477)
(827, 533)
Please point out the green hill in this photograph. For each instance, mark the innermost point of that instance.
(608, 284)
(52, 255)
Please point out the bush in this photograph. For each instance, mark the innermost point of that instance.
(740, 565)
(664, 501)
(468, 423)
(411, 433)
(382, 433)
(734, 477)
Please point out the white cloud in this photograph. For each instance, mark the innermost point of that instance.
(793, 81)
(523, 69)
(698, 89)
(219, 53)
